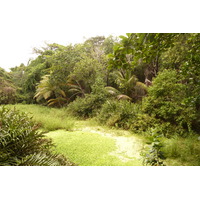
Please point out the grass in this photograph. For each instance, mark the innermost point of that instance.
(49, 118)
(182, 151)
(88, 149)
(81, 147)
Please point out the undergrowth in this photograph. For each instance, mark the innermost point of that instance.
(182, 151)
(49, 119)
(177, 150)
(21, 144)
(118, 114)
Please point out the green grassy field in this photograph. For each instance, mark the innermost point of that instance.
(88, 149)
(49, 118)
(81, 147)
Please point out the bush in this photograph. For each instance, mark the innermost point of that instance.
(86, 107)
(153, 155)
(167, 102)
(144, 122)
(22, 144)
(7, 92)
(118, 113)
(7, 95)
(90, 105)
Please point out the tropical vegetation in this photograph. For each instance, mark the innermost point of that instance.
(147, 83)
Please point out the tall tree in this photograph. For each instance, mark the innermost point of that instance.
(137, 48)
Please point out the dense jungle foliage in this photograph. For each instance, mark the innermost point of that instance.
(148, 83)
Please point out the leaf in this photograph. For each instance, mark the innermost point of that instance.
(47, 94)
(112, 90)
(124, 97)
(62, 93)
(123, 37)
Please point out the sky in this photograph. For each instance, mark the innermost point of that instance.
(26, 24)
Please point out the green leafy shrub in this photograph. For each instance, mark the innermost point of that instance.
(7, 95)
(86, 107)
(7, 89)
(143, 122)
(118, 113)
(90, 105)
(167, 102)
(153, 155)
(22, 144)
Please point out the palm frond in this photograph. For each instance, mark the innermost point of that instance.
(39, 159)
(57, 101)
(112, 90)
(47, 94)
(124, 97)
(62, 93)
(75, 88)
(141, 85)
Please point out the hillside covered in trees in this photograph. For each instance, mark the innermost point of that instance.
(147, 83)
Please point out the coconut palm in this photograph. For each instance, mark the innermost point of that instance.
(129, 86)
(50, 91)
(75, 88)
(116, 93)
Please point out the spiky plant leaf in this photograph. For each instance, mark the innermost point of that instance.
(21, 143)
(112, 90)
(57, 101)
(39, 159)
(124, 97)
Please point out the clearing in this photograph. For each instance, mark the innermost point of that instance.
(92, 145)
(85, 142)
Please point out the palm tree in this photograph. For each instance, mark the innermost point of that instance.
(75, 88)
(44, 89)
(129, 86)
(50, 91)
(116, 93)
(126, 81)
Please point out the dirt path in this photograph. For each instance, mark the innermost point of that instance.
(128, 146)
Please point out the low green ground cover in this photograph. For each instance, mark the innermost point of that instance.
(182, 151)
(88, 149)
